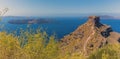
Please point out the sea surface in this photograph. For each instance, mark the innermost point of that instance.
(60, 26)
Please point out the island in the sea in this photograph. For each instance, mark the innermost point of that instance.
(29, 21)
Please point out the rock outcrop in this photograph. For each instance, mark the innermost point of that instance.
(88, 37)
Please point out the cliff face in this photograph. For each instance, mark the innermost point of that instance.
(89, 37)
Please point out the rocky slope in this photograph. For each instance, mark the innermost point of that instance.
(89, 37)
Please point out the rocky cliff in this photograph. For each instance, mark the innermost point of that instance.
(89, 37)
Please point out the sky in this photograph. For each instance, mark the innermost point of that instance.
(59, 7)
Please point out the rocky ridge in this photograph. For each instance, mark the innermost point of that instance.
(88, 37)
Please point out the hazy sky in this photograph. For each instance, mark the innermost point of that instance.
(55, 7)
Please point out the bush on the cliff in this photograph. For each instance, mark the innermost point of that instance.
(35, 47)
(40, 46)
(107, 52)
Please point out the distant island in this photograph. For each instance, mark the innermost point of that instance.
(108, 17)
(30, 21)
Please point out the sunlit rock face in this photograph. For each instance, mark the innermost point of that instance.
(88, 37)
(95, 20)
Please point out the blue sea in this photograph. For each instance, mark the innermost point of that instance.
(60, 26)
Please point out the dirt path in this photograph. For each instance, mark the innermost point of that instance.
(84, 47)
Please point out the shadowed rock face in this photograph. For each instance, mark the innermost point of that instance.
(89, 37)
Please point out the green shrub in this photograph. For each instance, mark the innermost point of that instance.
(38, 45)
(28, 46)
(9, 47)
(111, 51)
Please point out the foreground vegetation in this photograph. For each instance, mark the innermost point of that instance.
(27, 46)
(39, 46)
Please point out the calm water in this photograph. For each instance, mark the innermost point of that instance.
(61, 26)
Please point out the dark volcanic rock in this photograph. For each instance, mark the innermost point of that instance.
(89, 37)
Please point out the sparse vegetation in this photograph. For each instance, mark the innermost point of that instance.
(29, 46)
(107, 52)
(37, 48)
